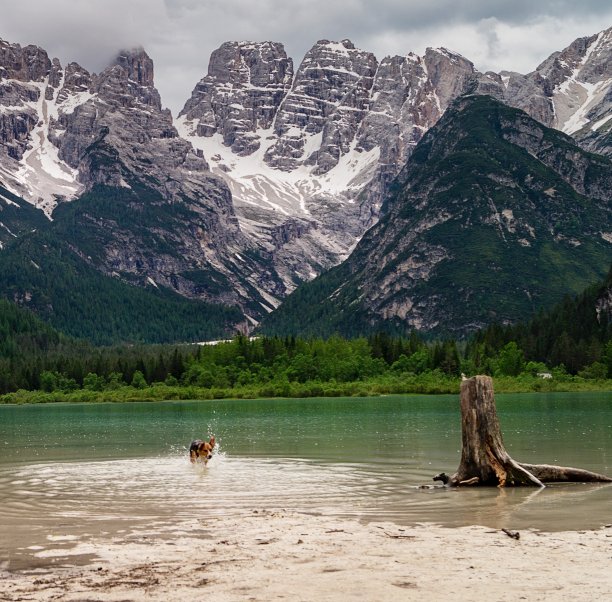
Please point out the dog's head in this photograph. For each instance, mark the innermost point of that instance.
(205, 449)
(201, 449)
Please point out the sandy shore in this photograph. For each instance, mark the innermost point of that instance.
(283, 556)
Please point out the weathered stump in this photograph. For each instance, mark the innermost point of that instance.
(484, 460)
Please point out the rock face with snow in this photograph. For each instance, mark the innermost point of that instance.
(120, 110)
(241, 94)
(80, 132)
(28, 161)
(570, 91)
(328, 100)
(579, 81)
(317, 161)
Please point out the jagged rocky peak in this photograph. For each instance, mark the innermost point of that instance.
(366, 104)
(523, 92)
(258, 64)
(409, 95)
(402, 107)
(76, 80)
(23, 72)
(63, 130)
(329, 97)
(128, 80)
(27, 64)
(250, 95)
(28, 85)
(599, 65)
(578, 81)
(449, 73)
(583, 102)
(585, 56)
(137, 64)
(240, 95)
(571, 90)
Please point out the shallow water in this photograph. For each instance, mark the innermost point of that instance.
(69, 473)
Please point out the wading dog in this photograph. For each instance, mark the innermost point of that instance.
(201, 449)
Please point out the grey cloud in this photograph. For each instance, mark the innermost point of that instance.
(487, 28)
(87, 32)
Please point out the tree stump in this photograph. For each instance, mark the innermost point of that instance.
(484, 460)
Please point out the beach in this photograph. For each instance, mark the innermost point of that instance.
(262, 555)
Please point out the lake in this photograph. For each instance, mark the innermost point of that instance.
(72, 472)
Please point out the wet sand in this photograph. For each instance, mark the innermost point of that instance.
(265, 556)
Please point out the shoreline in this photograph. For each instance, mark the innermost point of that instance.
(357, 389)
(262, 555)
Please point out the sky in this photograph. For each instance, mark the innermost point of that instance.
(180, 35)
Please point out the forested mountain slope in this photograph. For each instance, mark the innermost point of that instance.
(55, 273)
(575, 332)
(494, 217)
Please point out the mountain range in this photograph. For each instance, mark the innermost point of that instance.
(271, 175)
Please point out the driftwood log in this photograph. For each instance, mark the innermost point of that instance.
(484, 460)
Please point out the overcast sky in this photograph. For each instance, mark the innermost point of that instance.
(179, 35)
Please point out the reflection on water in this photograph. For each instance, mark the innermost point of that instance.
(69, 473)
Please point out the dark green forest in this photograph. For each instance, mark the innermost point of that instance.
(570, 343)
(62, 283)
(79, 301)
(33, 355)
(575, 334)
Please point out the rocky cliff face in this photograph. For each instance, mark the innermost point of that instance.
(579, 82)
(570, 91)
(28, 162)
(328, 100)
(330, 140)
(241, 94)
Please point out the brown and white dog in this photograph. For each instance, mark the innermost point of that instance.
(201, 449)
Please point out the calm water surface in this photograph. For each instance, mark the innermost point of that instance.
(73, 472)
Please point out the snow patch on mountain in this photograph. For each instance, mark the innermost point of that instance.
(580, 96)
(255, 183)
(587, 96)
(40, 176)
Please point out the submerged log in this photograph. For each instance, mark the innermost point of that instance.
(484, 460)
(559, 474)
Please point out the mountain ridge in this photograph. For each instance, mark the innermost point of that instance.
(470, 207)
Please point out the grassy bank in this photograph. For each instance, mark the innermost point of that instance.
(427, 384)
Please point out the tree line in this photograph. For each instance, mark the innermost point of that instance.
(572, 339)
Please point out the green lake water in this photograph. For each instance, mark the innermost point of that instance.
(70, 473)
